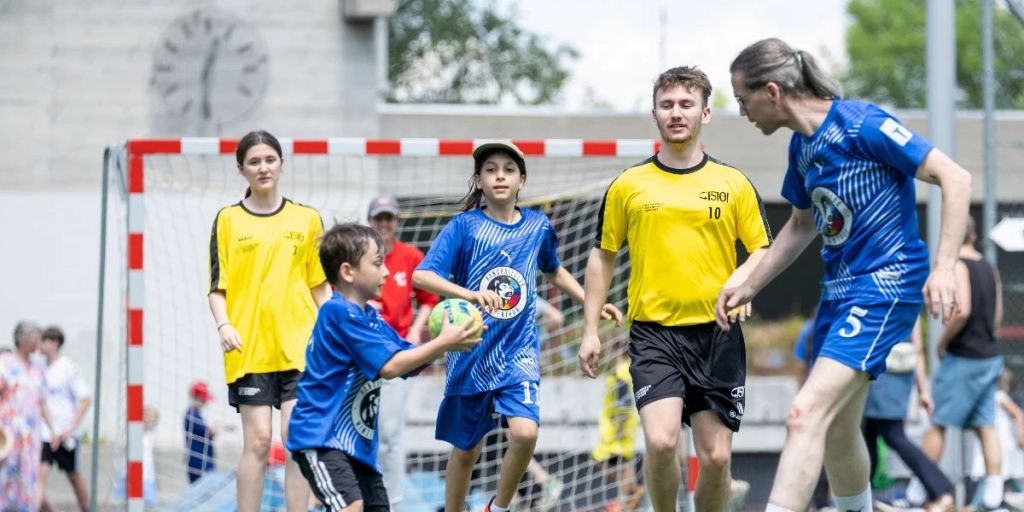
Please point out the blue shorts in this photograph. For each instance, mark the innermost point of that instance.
(463, 420)
(889, 396)
(965, 391)
(859, 333)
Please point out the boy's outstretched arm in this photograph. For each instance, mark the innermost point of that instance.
(452, 338)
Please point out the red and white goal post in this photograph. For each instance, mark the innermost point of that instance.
(173, 188)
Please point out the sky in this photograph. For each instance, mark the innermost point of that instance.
(619, 40)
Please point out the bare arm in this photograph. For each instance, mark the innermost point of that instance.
(956, 322)
(321, 293)
(54, 436)
(794, 237)
(419, 322)
(999, 302)
(433, 283)
(565, 282)
(229, 338)
(80, 410)
(598, 278)
(955, 181)
(453, 337)
(920, 370)
(1015, 412)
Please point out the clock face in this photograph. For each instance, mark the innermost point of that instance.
(209, 68)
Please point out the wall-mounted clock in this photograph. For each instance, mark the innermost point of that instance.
(209, 68)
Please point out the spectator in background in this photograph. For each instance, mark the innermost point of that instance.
(199, 456)
(21, 408)
(886, 410)
(617, 428)
(966, 380)
(1009, 423)
(150, 418)
(408, 319)
(67, 399)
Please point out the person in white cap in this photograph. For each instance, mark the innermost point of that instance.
(492, 252)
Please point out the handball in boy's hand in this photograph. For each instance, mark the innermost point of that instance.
(455, 312)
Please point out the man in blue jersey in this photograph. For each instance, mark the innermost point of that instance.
(851, 177)
(333, 429)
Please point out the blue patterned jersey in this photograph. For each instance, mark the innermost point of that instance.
(479, 253)
(339, 393)
(857, 171)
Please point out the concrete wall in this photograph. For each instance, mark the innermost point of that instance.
(78, 77)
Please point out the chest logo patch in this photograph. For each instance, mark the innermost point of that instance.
(834, 217)
(510, 285)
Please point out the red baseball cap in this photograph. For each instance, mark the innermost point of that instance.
(201, 391)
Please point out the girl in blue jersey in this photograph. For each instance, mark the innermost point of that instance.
(850, 179)
(491, 252)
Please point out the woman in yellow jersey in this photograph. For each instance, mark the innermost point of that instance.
(266, 284)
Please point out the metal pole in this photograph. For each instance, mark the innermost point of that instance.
(94, 459)
(988, 88)
(941, 62)
(380, 45)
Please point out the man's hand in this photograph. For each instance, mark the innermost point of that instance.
(733, 302)
(590, 353)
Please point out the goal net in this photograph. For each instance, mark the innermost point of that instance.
(160, 338)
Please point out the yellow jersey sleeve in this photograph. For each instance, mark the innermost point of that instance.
(751, 218)
(611, 229)
(314, 270)
(219, 253)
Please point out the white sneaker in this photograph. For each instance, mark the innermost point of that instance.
(552, 492)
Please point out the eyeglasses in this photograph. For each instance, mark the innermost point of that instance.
(742, 100)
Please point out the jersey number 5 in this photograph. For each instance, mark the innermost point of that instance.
(854, 320)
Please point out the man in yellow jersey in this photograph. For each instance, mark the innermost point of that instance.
(681, 212)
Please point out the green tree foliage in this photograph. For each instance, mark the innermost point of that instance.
(460, 51)
(886, 46)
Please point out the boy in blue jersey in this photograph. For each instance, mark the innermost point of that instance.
(333, 429)
(851, 177)
(492, 252)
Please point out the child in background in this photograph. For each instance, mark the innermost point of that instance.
(199, 457)
(1009, 424)
(617, 427)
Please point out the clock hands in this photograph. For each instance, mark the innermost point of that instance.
(207, 77)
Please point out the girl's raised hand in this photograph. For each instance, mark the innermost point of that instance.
(487, 299)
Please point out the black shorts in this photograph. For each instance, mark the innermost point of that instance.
(338, 480)
(702, 364)
(67, 460)
(264, 388)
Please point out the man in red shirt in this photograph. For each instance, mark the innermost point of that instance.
(396, 307)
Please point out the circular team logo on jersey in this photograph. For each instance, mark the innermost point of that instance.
(510, 285)
(365, 407)
(837, 217)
